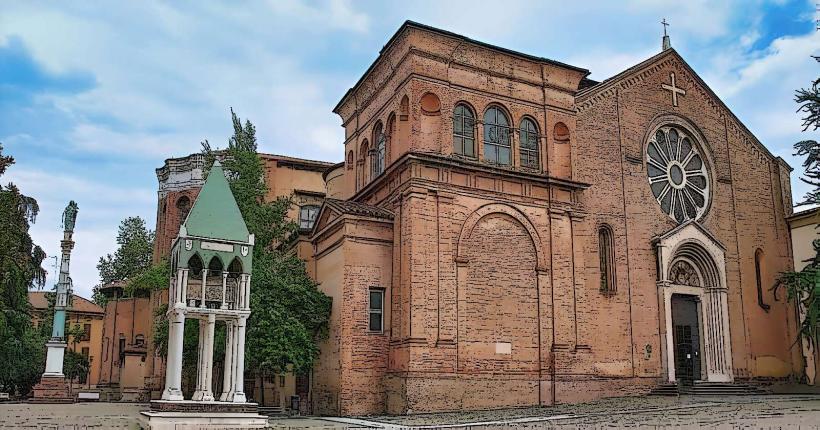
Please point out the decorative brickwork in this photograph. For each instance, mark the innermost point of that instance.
(491, 272)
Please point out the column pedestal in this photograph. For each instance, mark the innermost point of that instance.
(53, 386)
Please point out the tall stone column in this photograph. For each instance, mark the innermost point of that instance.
(173, 369)
(230, 351)
(201, 356)
(53, 386)
(239, 368)
(208, 346)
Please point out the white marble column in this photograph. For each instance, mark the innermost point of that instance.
(173, 369)
(200, 363)
(208, 353)
(247, 298)
(224, 290)
(239, 369)
(227, 377)
(204, 280)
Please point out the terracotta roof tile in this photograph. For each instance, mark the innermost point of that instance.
(38, 301)
(356, 208)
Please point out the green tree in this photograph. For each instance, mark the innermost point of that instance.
(75, 366)
(132, 258)
(804, 286)
(289, 315)
(21, 346)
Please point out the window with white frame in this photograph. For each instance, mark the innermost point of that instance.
(376, 310)
(307, 216)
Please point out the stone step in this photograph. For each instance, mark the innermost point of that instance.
(272, 411)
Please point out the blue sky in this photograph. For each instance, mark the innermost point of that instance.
(95, 95)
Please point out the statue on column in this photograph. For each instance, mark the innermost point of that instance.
(53, 386)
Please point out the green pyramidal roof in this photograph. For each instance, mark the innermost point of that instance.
(215, 214)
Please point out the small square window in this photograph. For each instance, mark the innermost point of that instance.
(376, 310)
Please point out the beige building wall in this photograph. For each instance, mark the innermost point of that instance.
(803, 232)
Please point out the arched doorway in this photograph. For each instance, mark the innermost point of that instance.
(694, 308)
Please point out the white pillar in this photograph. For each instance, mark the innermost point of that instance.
(227, 377)
(179, 292)
(207, 392)
(184, 292)
(224, 290)
(173, 369)
(200, 363)
(204, 278)
(239, 376)
(246, 292)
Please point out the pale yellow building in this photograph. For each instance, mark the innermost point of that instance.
(804, 231)
(82, 314)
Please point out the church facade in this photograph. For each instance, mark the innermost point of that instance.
(505, 232)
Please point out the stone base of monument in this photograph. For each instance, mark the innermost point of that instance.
(189, 414)
(52, 389)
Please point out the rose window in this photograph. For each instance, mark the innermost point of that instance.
(677, 174)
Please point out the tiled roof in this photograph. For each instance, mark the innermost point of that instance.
(38, 301)
(356, 208)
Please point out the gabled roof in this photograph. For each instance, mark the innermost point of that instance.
(687, 224)
(584, 95)
(356, 208)
(215, 214)
(38, 301)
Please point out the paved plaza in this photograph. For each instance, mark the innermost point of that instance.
(728, 412)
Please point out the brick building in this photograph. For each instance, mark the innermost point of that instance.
(506, 232)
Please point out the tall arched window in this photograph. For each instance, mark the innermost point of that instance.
(759, 279)
(528, 142)
(195, 266)
(463, 131)
(361, 163)
(497, 137)
(377, 163)
(606, 255)
(215, 267)
(183, 207)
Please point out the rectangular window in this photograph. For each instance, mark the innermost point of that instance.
(376, 310)
(85, 352)
(86, 332)
(307, 216)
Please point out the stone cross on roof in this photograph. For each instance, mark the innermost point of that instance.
(666, 42)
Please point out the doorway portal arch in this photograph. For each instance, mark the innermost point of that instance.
(691, 263)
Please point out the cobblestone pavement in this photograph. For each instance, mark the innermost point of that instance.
(77, 416)
(728, 412)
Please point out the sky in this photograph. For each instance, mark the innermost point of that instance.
(94, 96)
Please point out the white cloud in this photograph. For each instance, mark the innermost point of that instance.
(102, 206)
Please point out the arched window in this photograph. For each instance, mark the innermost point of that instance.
(183, 207)
(377, 163)
(497, 137)
(235, 268)
(307, 216)
(361, 163)
(759, 279)
(349, 160)
(463, 131)
(528, 142)
(195, 266)
(606, 255)
(215, 267)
